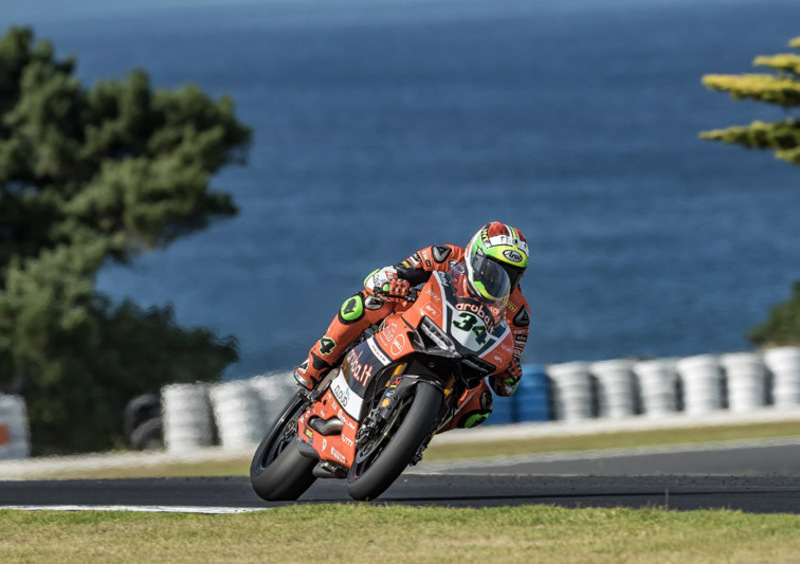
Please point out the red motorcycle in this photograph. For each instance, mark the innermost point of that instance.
(396, 388)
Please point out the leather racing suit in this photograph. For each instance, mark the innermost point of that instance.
(367, 308)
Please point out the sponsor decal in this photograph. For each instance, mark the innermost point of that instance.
(386, 402)
(390, 331)
(440, 253)
(347, 398)
(398, 344)
(348, 441)
(479, 311)
(309, 433)
(513, 255)
(432, 310)
(324, 444)
(434, 295)
(360, 372)
(498, 359)
(338, 455)
(522, 319)
(382, 358)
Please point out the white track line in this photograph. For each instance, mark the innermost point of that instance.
(140, 508)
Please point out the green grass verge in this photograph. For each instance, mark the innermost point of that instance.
(240, 467)
(342, 533)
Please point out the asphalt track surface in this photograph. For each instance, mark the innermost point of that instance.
(754, 479)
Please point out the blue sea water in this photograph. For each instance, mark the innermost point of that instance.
(383, 126)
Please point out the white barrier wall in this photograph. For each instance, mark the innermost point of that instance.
(615, 389)
(273, 392)
(14, 433)
(244, 409)
(702, 383)
(784, 364)
(571, 389)
(238, 412)
(186, 416)
(657, 384)
(746, 378)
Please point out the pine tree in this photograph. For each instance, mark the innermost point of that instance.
(781, 88)
(88, 176)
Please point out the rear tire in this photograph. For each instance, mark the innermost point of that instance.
(278, 471)
(379, 463)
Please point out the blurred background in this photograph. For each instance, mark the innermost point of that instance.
(380, 127)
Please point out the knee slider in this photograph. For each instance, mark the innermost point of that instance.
(352, 309)
(477, 416)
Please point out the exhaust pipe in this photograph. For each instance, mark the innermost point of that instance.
(332, 426)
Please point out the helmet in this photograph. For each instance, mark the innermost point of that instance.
(496, 243)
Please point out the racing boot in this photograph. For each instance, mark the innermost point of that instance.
(311, 371)
(474, 407)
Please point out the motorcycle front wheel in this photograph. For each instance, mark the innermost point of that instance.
(278, 471)
(382, 459)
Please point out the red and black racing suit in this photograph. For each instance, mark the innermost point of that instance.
(364, 309)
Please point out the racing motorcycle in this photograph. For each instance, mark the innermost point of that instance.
(396, 387)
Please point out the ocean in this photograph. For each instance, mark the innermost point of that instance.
(384, 126)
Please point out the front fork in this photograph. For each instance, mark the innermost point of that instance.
(398, 388)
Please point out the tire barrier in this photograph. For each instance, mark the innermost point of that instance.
(745, 378)
(272, 390)
(657, 386)
(701, 379)
(186, 417)
(571, 390)
(238, 413)
(784, 366)
(142, 422)
(14, 435)
(533, 395)
(531, 401)
(615, 388)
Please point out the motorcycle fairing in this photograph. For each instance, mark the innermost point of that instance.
(337, 447)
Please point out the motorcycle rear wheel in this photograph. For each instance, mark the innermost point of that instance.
(379, 463)
(278, 471)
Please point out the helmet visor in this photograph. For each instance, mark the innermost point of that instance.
(489, 278)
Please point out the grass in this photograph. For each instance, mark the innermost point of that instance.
(240, 467)
(363, 532)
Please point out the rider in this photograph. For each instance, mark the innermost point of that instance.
(388, 287)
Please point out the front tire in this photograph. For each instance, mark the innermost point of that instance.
(278, 471)
(383, 459)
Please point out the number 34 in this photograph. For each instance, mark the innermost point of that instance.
(470, 322)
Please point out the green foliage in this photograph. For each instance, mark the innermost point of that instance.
(783, 324)
(782, 89)
(87, 176)
(783, 138)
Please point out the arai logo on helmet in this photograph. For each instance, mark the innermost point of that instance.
(512, 255)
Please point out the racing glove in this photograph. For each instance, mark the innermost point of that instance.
(385, 284)
(396, 290)
(505, 383)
